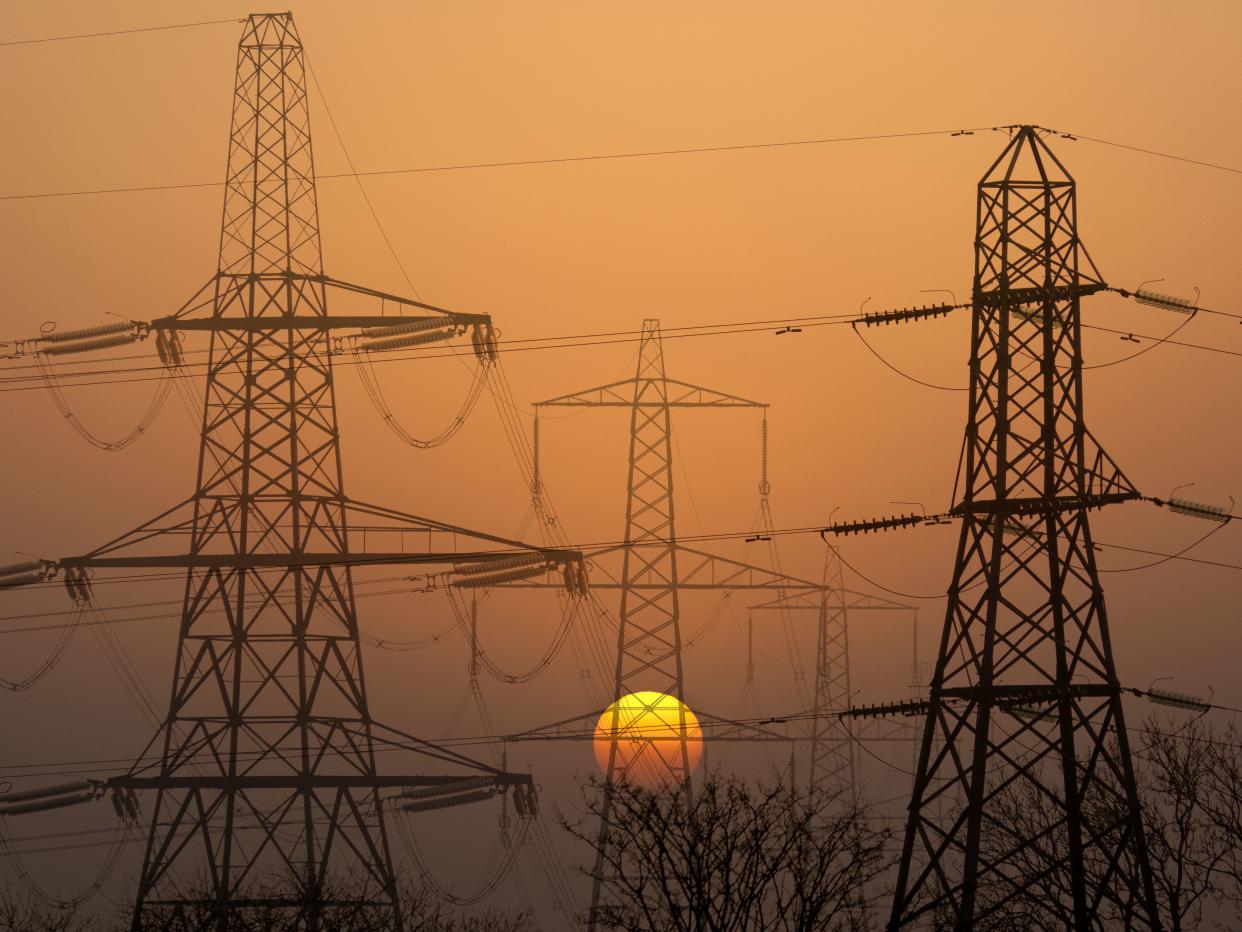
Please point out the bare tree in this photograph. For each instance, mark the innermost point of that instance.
(1179, 778)
(332, 909)
(1223, 803)
(737, 856)
(1190, 794)
(20, 911)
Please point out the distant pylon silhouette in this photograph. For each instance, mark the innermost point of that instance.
(649, 640)
(832, 741)
(835, 737)
(649, 643)
(1024, 811)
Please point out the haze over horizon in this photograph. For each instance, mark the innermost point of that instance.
(596, 247)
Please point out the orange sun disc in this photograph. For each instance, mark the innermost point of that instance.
(648, 731)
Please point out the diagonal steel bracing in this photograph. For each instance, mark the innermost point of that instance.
(653, 565)
(267, 802)
(1024, 811)
(834, 736)
(649, 643)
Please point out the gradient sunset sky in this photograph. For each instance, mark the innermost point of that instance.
(598, 246)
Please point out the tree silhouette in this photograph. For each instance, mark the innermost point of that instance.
(737, 856)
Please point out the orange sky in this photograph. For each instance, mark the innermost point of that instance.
(597, 246)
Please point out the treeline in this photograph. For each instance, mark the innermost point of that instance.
(773, 858)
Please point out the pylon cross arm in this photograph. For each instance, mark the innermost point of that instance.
(418, 540)
(318, 781)
(665, 393)
(187, 317)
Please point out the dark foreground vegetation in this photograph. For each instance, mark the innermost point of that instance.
(425, 910)
(745, 857)
(736, 856)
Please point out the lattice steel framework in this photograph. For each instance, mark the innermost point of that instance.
(268, 804)
(1025, 746)
(834, 738)
(649, 639)
(832, 744)
(269, 480)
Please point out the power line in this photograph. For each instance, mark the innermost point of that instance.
(633, 335)
(45, 768)
(361, 188)
(119, 32)
(905, 375)
(579, 341)
(33, 383)
(1157, 154)
(1165, 340)
(701, 538)
(568, 159)
(514, 163)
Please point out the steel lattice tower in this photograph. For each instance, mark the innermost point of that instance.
(1024, 811)
(649, 639)
(655, 566)
(269, 480)
(834, 737)
(832, 741)
(268, 805)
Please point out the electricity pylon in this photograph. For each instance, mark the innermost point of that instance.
(832, 761)
(832, 745)
(649, 638)
(268, 801)
(835, 736)
(656, 567)
(1024, 809)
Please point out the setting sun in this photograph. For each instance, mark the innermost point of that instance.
(649, 729)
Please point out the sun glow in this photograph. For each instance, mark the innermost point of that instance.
(649, 731)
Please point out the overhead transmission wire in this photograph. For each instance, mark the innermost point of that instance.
(370, 382)
(435, 637)
(591, 642)
(121, 836)
(1162, 155)
(49, 663)
(486, 885)
(508, 850)
(384, 643)
(577, 341)
(1165, 558)
(507, 408)
(461, 615)
(1156, 342)
(600, 157)
(667, 332)
(355, 174)
(59, 768)
(593, 651)
(905, 375)
(133, 374)
(1165, 340)
(52, 383)
(119, 32)
(513, 163)
(357, 177)
(336, 131)
(762, 524)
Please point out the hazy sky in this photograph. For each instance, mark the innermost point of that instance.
(597, 246)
